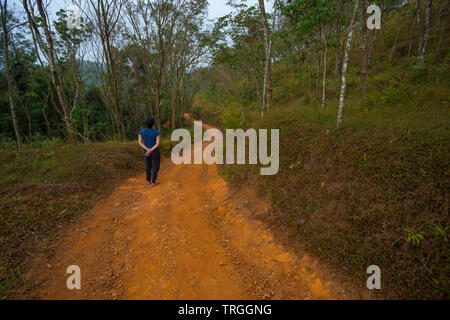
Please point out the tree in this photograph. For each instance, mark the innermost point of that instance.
(189, 46)
(104, 17)
(345, 66)
(426, 35)
(419, 24)
(72, 55)
(243, 56)
(443, 17)
(267, 87)
(311, 17)
(363, 69)
(5, 16)
(38, 22)
(167, 40)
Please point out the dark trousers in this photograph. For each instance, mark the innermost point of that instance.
(152, 163)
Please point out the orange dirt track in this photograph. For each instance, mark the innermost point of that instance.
(189, 238)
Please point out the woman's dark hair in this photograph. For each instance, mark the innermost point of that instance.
(150, 122)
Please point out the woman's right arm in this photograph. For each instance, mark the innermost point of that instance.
(141, 143)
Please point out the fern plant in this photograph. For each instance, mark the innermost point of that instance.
(413, 236)
(440, 232)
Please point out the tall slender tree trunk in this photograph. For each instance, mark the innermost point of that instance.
(299, 71)
(85, 113)
(4, 16)
(30, 133)
(443, 21)
(336, 72)
(363, 45)
(395, 42)
(56, 77)
(345, 66)
(112, 82)
(115, 91)
(44, 71)
(182, 102)
(310, 70)
(158, 103)
(338, 50)
(267, 88)
(419, 24)
(410, 39)
(324, 84)
(47, 123)
(336, 69)
(426, 36)
(373, 39)
(175, 95)
(319, 67)
(159, 81)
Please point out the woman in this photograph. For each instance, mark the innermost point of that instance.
(150, 140)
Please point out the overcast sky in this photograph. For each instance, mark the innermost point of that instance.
(217, 8)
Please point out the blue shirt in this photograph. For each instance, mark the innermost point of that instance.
(149, 136)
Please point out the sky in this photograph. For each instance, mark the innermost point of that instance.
(217, 8)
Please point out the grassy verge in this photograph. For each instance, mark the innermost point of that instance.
(44, 189)
(364, 195)
(374, 192)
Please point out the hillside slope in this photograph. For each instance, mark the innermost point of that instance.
(374, 192)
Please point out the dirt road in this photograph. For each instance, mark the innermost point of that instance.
(189, 238)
